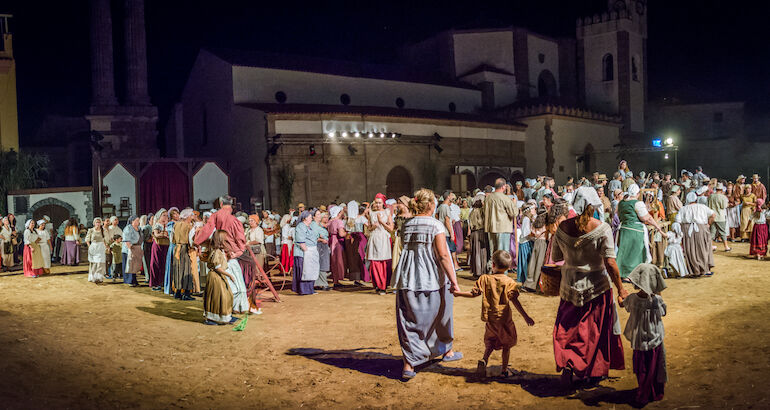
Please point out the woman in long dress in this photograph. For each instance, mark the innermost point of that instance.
(71, 251)
(424, 281)
(132, 239)
(45, 245)
(218, 297)
(733, 211)
(255, 239)
(539, 237)
(6, 244)
(528, 214)
(145, 228)
(324, 252)
(632, 239)
(337, 236)
(300, 283)
(748, 203)
(173, 216)
(378, 250)
(586, 336)
(674, 253)
(287, 242)
(355, 245)
(160, 244)
(97, 252)
(181, 271)
(32, 260)
(556, 215)
(695, 219)
(478, 239)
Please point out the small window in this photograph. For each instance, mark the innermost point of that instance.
(20, 205)
(452, 107)
(634, 69)
(280, 96)
(608, 68)
(541, 58)
(718, 117)
(400, 102)
(345, 99)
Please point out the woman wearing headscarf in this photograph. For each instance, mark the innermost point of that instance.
(337, 235)
(303, 240)
(173, 216)
(287, 242)
(478, 238)
(528, 214)
(71, 251)
(181, 265)
(160, 244)
(401, 215)
(538, 240)
(324, 252)
(97, 252)
(355, 244)
(378, 251)
(695, 219)
(733, 219)
(255, 239)
(586, 336)
(110, 230)
(145, 228)
(33, 261)
(132, 240)
(45, 245)
(633, 240)
(748, 203)
(424, 281)
(6, 244)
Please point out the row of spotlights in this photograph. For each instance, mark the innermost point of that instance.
(344, 134)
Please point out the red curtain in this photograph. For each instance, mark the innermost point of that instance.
(163, 185)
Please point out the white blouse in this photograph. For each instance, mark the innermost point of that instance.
(287, 234)
(694, 214)
(29, 237)
(583, 275)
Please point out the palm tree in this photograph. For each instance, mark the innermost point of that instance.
(20, 170)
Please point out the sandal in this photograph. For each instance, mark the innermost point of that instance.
(455, 357)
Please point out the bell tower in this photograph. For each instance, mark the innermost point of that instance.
(612, 64)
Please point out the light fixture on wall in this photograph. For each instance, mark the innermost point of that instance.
(344, 134)
(437, 148)
(352, 149)
(331, 135)
(437, 137)
(357, 134)
(371, 134)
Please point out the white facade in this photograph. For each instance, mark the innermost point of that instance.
(121, 183)
(209, 183)
(538, 46)
(75, 202)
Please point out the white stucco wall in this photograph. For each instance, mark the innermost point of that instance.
(535, 46)
(259, 85)
(570, 137)
(209, 183)
(121, 183)
(494, 48)
(79, 200)
(601, 95)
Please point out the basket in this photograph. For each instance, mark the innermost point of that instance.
(550, 280)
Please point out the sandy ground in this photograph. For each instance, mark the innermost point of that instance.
(67, 343)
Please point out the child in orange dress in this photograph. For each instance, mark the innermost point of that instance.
(498, 290)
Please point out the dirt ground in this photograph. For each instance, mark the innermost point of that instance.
(65, 342)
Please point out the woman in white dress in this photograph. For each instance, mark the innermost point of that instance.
(674, 253)
(45, 245)
(6, 244)
(378, 251)
(97, 252)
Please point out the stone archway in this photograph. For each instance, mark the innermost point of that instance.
(471, 180)
(546, 84)
(398, 182)
(57, 210)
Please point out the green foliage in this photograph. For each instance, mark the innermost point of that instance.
(19, 170)
(286, 178)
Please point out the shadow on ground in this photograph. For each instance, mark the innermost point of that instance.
(173, 309)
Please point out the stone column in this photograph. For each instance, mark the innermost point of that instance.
(102, 71)
(136, 54)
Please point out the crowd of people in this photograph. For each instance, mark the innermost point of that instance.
(577, 241)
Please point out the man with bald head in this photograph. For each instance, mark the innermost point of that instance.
(499, 214)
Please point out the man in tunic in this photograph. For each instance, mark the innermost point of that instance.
(499, 214)
(758, 188)
(718, 202)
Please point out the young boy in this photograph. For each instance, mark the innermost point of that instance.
(117, 261)
(498, 290)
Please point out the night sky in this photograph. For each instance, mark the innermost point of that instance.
(697, 50)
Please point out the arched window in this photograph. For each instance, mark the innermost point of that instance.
(546, 84)
(608, 68)
(398, 182)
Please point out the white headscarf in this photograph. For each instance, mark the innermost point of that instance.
(186, 213)
(40, 222)
(677, 227)
(585, 196)
(334, 211)
(633, 190)
(691, 197)
(352, 209)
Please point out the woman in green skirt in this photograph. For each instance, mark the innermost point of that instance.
(631, 241)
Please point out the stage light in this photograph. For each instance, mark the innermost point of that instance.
(382, 135)
(312, 150)
(352, 149)
(665, 156)
(344, 134)
(357, 134)
(438, 148)
(437, 137)
(669, 141)
(371, 135)
(393, 135)
(331, 135)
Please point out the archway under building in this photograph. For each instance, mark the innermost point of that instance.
(55, 209)
(470, 180)
(546, 84)
(398, 182)
(489, 179)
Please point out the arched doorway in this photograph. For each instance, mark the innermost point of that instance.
(470, 180)
(546, 84)
(489, 179)
(56, 212)
(517, 176)
(398, 183)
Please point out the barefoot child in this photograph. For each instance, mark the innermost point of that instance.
(644, 330)
(498, 290)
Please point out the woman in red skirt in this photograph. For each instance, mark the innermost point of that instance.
(586, 336)
(287, 241)
(759, 232)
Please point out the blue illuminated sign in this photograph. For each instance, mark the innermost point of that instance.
(657, 142)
